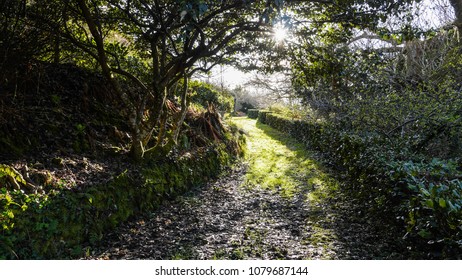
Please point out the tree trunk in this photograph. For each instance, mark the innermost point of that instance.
(137, 148)
(184, 108)
(139, 133)
(102, 58)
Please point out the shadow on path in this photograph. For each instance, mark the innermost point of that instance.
(281, 204)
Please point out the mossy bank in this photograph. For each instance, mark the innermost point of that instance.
(67, 223)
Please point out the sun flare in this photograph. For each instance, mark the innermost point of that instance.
(279, 34)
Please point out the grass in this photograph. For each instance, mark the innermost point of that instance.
(279, 163)
(284, 166)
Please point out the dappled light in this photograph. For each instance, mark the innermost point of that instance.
(283, 167)
(281, 203)
(200, 129)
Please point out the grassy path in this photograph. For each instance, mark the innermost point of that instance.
(279, 163)
(278, 204)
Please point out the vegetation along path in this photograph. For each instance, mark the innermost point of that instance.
(279, 204)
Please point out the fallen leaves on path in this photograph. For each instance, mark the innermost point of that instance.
(232, 218)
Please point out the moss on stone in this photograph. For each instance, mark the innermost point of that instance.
(65, 224)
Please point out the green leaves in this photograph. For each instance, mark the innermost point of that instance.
(429, 203)
(435, 201)
(203, 94)
(13, 174)
(425, 234)
(428, 194)
(442, 202)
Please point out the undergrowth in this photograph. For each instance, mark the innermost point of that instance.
(67, 223)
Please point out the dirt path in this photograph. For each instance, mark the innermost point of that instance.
(278, 204)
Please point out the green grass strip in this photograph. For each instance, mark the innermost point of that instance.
(278, 162)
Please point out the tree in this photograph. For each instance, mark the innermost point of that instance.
(179, 38)
(19, 39)
(156, 44)
(325, 68)
(276, 87)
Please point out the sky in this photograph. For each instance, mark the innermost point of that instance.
(436, 12)
(228, 75)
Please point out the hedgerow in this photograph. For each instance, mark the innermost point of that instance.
(426, 195)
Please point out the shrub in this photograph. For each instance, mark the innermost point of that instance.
(246, 106)
(279, 122)
(205, 94)
(427, 195)
(434, 207)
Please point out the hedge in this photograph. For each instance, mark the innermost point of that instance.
(426, 193)
(262, 116)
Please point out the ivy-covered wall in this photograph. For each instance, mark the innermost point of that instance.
(67, 224)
